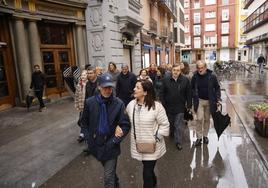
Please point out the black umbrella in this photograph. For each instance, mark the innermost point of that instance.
(220, 121)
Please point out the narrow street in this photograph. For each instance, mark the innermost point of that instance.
(45, 153)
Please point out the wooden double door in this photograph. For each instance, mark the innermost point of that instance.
(7, 73)
(57, 53)
(55, 61)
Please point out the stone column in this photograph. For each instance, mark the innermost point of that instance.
(81, 57)
(23, 59)
(34, 44)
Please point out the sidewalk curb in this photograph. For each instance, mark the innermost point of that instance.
(249, 133)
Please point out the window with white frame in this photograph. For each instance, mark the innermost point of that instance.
(225, 2)
(186, 30)
(210, 2)
(197, 30)
(210, 14)
(186, 17)
(210, 27)
(186, 3)
(196, 4)
(225, 28)
(197, 42)
(188, 40)
(197, 17)
(225, 15)
(224, 41)
(210, 40)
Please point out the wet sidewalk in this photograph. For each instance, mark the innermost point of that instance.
(243, 90)
(231, 162)
(40, 149)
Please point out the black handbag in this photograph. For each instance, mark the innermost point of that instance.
(188, 115)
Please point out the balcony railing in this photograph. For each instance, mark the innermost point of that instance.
(170, 5)
(247, 3)
(164, 32)
(257, 18)
(153, 25)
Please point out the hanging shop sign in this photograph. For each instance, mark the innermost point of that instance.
(127, 42)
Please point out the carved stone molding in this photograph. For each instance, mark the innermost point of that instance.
(99, 61)
(97, 42)
(96, 16)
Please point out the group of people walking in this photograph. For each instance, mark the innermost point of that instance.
(151, 105)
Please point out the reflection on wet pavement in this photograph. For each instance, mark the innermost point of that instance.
(231, 162)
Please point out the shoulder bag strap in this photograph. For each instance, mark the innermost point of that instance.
(133, 119)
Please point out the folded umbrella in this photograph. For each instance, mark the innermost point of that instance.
(220, 121)
(188, 115)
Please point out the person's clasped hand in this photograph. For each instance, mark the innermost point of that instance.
(118, 131)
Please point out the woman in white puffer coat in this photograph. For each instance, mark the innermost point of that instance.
(151, 124)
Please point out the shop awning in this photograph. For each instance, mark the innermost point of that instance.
(157, 48)
(147, 46)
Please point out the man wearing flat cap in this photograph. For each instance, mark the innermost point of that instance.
(102, 116)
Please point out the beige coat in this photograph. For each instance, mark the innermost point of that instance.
(146, 123)
(80, 95)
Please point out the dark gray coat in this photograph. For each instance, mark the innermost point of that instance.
(176, 95)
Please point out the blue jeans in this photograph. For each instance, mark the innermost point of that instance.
(177, 122)
(110, 177)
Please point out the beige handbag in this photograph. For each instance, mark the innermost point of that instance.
(141, 146)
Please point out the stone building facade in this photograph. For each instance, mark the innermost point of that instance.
(49, 33)
(256, 28)
(113, 33)
(157, 35)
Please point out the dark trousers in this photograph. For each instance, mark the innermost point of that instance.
(39, 95)
(110, 177)
(176, 126)
(149, 178)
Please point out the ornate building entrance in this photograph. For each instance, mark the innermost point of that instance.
(57, 53)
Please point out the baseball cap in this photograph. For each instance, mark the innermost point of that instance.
(105, 80)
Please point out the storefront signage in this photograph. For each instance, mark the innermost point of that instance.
(127, 42)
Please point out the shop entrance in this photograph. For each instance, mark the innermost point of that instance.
(57, 54)
(55, 61)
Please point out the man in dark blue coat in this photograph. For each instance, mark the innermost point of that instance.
(206, 96)
(102, 116)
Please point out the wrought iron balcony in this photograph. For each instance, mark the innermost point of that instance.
(247, 3)
(169, 5)
(153, 26)
(257, 18)
(164, 32)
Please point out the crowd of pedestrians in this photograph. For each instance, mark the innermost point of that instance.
(152, 105)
